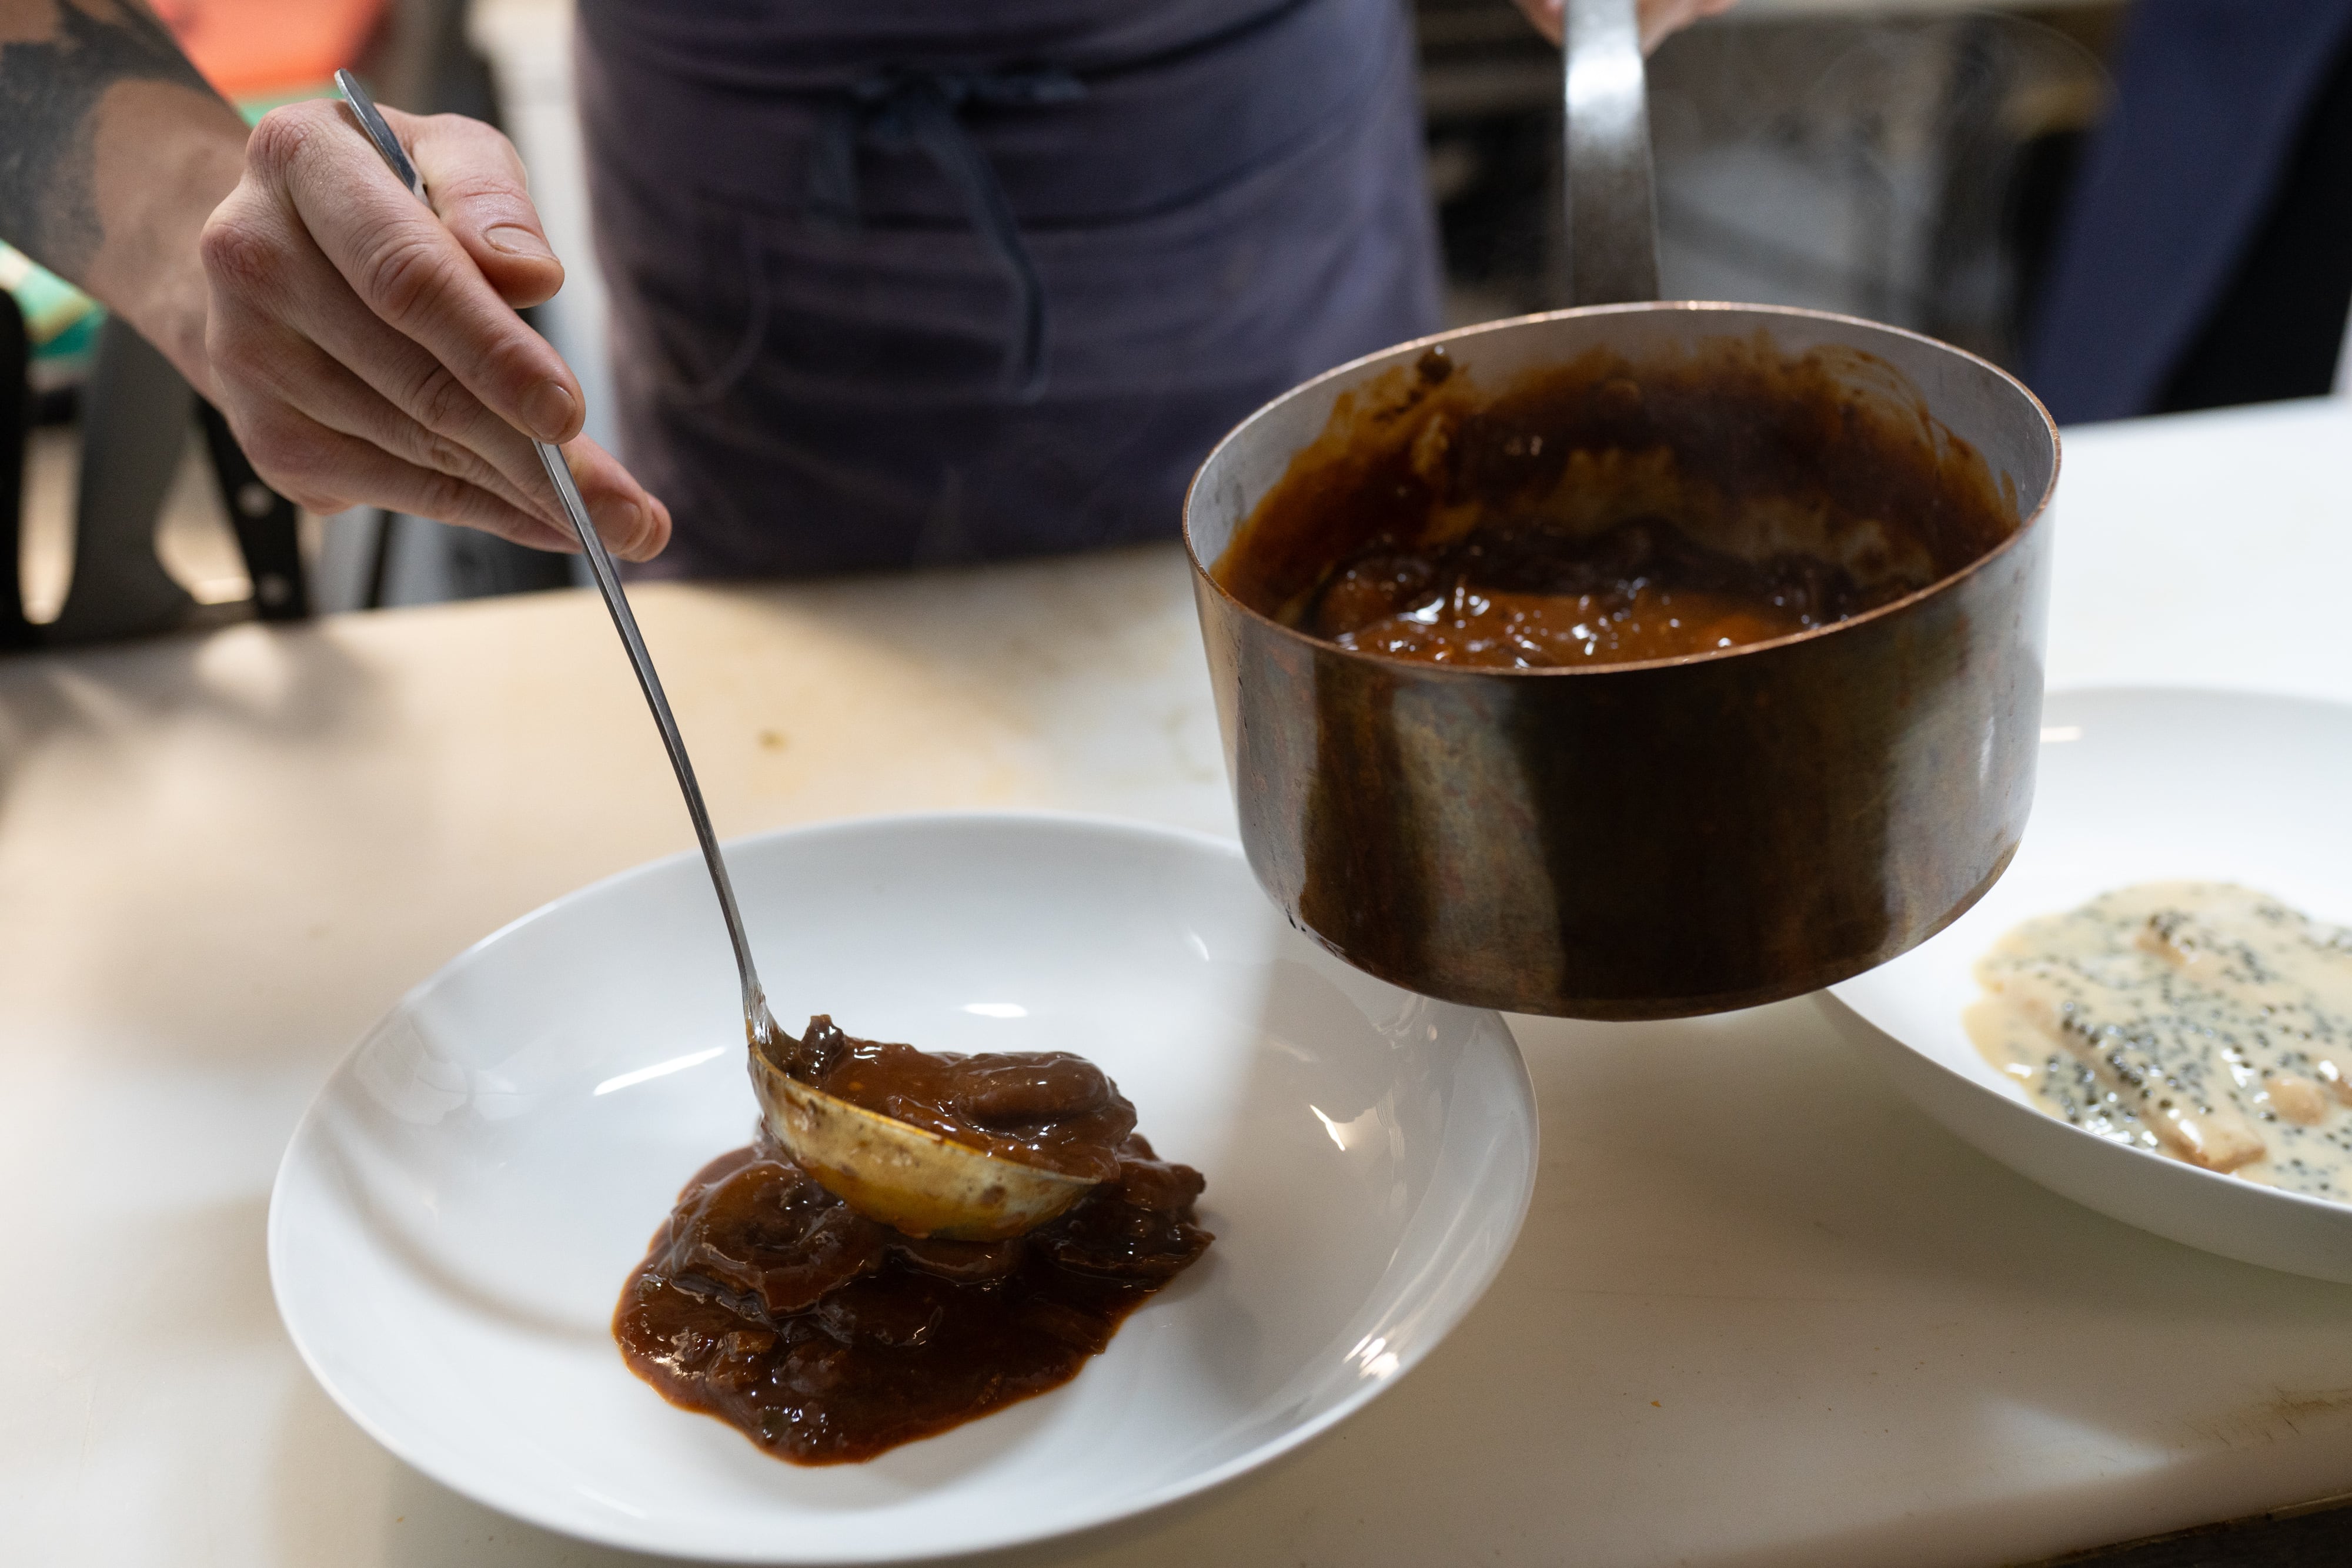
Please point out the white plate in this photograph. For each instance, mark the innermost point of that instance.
(2135, 786)
(455, 1217)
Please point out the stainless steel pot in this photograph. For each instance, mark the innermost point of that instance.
(1651, 840)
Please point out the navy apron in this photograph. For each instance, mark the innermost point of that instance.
(2213, 97)
(902, 283)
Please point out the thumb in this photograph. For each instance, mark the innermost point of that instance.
(477, 188)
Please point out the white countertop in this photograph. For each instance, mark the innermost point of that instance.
(1762, 1313)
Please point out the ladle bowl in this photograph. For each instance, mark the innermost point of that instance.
(907, 1177)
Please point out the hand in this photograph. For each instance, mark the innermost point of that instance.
(1660, 18)
(366, 352)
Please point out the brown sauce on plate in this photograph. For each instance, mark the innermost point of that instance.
(1603, 512)
(828, 1338)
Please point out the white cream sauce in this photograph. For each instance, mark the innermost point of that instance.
(2201, 1021)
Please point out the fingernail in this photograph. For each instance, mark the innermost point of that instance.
(622, 524)
(547, 410)
(655, 535)
(516, 241)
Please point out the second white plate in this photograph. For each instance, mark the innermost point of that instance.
(2135, 786)
(455, 1217)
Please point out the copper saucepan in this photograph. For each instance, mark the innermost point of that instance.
(1683, 835)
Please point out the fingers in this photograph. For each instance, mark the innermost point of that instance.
(285, 327)
(327, 439)
(407, 268)
(336, 402)
(275, 366)
(299, 350)
(324, 470)
(633, 524)
(478, 189)
(297, 407)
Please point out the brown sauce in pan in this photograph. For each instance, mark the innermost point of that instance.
(1049, 1109)
(1601, 512)
(1643, 590)
(828, 1338)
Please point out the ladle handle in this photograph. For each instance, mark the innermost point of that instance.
(757, 1021)
(756, 1016)
(1612, 220)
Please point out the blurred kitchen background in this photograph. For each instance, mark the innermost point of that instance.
(1907, 160)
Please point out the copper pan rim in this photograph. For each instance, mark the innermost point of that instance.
(1325, 647)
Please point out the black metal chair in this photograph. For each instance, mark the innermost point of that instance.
(15, 427)
(135, 413)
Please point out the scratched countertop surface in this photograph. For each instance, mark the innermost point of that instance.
(1762, 1311)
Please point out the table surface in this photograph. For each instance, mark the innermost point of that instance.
(1762, 1313)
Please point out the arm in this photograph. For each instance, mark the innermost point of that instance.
(365, 352)
(107, 130)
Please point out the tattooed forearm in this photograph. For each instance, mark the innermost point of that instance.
(57, 60)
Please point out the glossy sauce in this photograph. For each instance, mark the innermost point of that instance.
(2200, 1020)
(1047, 1109)
(826, 1337)
(1642, 591)
(1602, 512)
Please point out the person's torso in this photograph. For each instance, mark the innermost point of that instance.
(789, 45)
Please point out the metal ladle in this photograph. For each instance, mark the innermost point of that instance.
(904, 1176)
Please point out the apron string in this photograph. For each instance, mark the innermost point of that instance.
(899, 108)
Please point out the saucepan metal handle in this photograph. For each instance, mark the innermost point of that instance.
(1612, 226)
